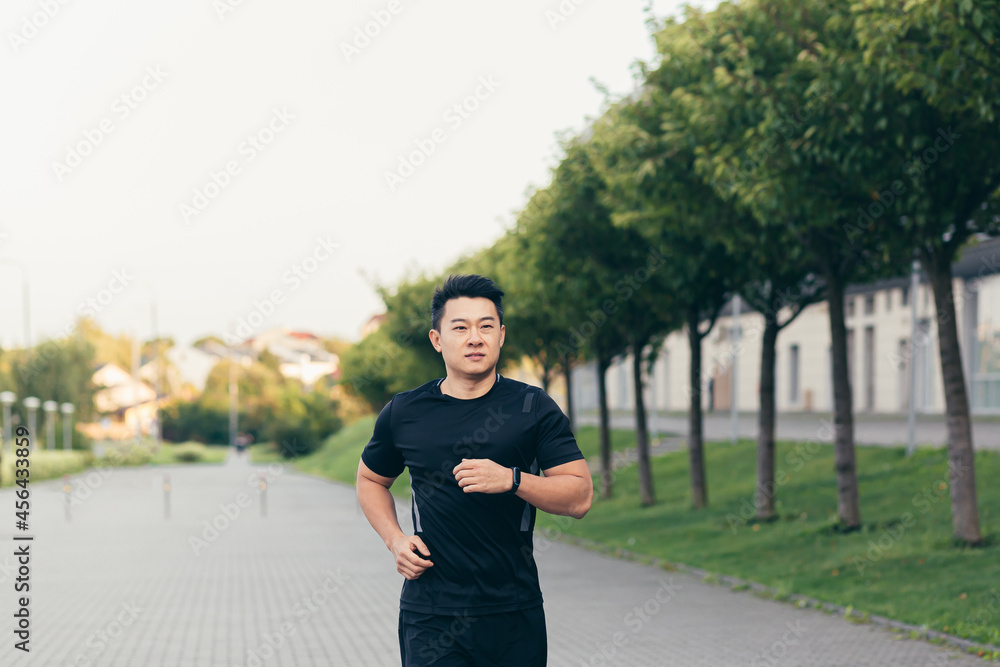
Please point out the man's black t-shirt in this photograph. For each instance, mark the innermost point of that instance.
(480, 543)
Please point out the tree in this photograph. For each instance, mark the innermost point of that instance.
(571, 259)
(944, 53)
(652, 188)
(796, 137)
(952, 193)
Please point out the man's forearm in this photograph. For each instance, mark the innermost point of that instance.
(567, 495)
(380, 509)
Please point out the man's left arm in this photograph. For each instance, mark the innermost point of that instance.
(566, 489)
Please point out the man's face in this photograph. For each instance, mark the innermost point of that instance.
(470, 338)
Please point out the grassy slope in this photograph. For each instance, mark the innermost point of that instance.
(902, 565)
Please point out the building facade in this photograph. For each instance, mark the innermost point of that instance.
(880, 346)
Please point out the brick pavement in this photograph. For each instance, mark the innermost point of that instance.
(311, 584)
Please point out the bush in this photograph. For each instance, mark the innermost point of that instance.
(45, 464)
(189, 452)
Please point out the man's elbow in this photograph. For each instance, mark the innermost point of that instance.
(580, 509)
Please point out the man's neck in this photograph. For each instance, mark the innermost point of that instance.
(466, 388)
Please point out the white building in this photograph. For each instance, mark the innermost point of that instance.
(878, 318)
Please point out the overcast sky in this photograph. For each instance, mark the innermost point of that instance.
(239, 160)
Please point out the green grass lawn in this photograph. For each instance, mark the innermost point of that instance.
(902, 565)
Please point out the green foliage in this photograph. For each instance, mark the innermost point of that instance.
(301, 422)
(196, 420)
(57, 370)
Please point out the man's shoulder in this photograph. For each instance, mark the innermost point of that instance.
(404, 397)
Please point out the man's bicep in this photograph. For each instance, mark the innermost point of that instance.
(364, 472)
(578, 468)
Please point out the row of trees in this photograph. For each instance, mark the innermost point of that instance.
(779, 150)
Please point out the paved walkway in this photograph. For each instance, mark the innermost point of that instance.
(887, 430)
(311, 584)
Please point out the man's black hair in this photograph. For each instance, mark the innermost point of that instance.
(472, 286)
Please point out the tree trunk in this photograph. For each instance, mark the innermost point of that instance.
(568, 375)
(961, 455)
(766, 488)
(696, 453)
(848, 507)
(545, 378)
(646, 494)
(602, 401)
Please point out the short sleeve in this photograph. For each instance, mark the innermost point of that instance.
(556, 443)
(380, 454)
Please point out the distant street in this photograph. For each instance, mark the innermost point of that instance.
(887, 430)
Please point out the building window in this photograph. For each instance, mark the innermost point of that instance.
(870, 304)
(888, 300)
(793, 369)
(870, 369)
(849, 307)
(906, 296)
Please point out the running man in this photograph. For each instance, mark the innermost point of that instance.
(474, 443)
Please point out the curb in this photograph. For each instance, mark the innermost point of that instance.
(799, 600)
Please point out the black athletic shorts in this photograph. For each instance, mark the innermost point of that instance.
(510, 639)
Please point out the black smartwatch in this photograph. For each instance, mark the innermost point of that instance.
(517, 480)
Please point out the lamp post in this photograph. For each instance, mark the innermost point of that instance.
(32, 404)
(7, 398)
(24, 300)
(734, 416)
(50, 407)
(67, 413)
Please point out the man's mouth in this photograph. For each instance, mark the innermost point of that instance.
(475, 356)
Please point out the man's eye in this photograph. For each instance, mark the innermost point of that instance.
(487, 326)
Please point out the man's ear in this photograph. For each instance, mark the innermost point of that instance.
(435, 337)
(503, 332)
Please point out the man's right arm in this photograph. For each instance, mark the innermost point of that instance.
(380, 509)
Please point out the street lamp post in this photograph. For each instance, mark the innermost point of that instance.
(67, 413)
(25, 301)
(7, 398)
(50, 407)
(32, 404)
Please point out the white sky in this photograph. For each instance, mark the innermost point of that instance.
(321, 175)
